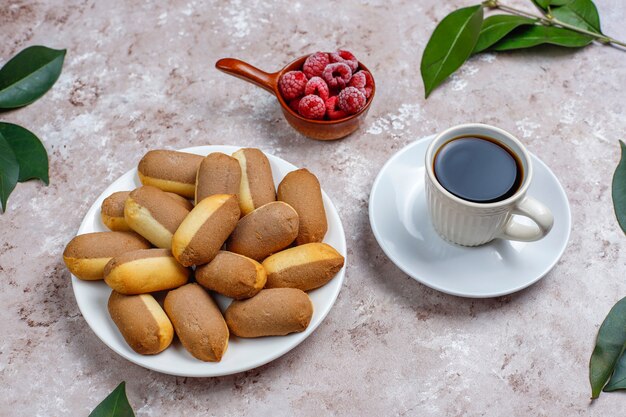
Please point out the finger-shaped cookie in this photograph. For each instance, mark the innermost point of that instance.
(301, 190)
(218, 174)
(198, 322)
(145, 271)
(257, 184)
(170, 171)
(266, 230)
(87, 255)
(154, 215)
(272, 312)
(141, 321)
(112, 211)
(305, 267)
(203, 232)
(232, 275)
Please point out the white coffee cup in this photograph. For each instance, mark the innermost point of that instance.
(471, 224)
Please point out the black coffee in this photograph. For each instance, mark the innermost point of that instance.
(477, 169)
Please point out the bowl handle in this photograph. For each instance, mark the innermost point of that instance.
(247, 72)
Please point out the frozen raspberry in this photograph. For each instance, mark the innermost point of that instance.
(332, 109)
(357, 80)
(291, 84)
(295, 104)
(369, 83)
(315, 64)
(351, 100)
(337, 75)
(363, 81)
(312, 107)
(318, 87)
(345, 57)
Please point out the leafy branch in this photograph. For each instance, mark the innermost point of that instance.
(582, 12)
(465, 32)
(23, 80)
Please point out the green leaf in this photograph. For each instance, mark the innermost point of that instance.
(618, 380)
(610, 345)
(580, 13)
(9, 172)
(29, 152)
(496, 27)
(538, 35)
(543, 4)
(28, 75)
(450, 45)
(618, 190)
(115, 405)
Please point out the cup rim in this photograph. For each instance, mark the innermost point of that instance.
(458, 129)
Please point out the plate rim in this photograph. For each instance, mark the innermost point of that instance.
(415, 275)
(339, 278)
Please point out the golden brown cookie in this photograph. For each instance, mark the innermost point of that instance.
(301, 190)
(141, 321)
(305, 267)
(170, 171)
(266, 230)
(232, 275)
(218, 174)
(112, 211)
(257, 184)
(86, 255)
(203, 232)
(198, 322)
(145, 271)
(272, 312)
(154, 215)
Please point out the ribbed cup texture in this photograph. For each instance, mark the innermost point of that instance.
(464, 225)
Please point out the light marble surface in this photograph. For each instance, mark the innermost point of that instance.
(139, 75)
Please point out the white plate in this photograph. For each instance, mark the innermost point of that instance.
(400, 222)
(242, 354)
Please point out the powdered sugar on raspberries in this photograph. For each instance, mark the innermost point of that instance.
(332, 109)
(292, 84)
(337, 75)
(315, 64)
(318, 87)
(312, 107)
(345, 57)
(351, 100)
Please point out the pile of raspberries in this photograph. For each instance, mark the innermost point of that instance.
(330, 86)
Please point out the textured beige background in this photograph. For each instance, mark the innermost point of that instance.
(139, 75)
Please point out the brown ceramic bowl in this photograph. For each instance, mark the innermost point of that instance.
(316, 129)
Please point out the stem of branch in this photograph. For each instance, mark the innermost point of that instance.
(549, 20)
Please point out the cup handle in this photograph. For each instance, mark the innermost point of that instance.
(534, 210)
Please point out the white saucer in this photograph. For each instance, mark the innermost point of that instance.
(400, 222)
